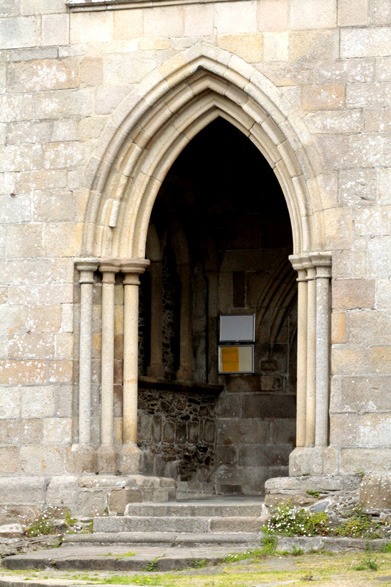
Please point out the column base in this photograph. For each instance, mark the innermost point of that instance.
(107, 459)
(313, 460)
(80, 458)
(129, 459)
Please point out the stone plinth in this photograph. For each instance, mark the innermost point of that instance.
(84, 495)
(111, 493)
(295, 489)
(375, 492)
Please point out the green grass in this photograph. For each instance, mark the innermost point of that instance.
(131, 580)
(198, 563)
(234, 557)
(368, 562)
(121, 556)
(328, 570)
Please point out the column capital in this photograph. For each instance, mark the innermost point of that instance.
(315, 264)
(323, 272)
(322, 264)
(136, 266)
(321, 259)
(300, 262)
(108, 271)
(86, 268)
(132, 268)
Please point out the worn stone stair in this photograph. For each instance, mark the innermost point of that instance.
(178, 532)
(215, 521)
(199, 518)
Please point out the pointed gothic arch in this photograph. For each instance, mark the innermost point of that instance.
(172, 105)
(144, 137)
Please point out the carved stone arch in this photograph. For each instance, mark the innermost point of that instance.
(171, 106)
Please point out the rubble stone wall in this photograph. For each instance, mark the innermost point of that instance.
(177, 433)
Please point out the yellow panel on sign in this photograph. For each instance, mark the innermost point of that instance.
(236, 359)
(229, 359)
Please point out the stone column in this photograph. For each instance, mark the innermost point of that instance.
(129, 458)
(156, 368)
(82, 457)
(322, 279)
(313, 338)
(107, 454)
(311, 357)
(301, 388)
(185, 343)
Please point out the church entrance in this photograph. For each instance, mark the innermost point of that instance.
(218, 241)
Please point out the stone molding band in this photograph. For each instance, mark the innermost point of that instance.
(100, 5)
(313, 352)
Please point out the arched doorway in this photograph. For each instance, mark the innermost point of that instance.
(159, 121)
(224, 236)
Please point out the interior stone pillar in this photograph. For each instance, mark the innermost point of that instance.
(82, 457)
(107, 454)
(322, 279)
(212, 338)
(156, 368)
(185, 344)
(129, 458)
(311, 358)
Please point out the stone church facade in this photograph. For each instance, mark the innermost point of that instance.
(164, 165)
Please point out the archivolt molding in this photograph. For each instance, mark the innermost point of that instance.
(151, 127)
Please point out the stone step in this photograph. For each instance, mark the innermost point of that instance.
(176, 524)
(164, 538)
(188, 509)
(117, 559)
(113, 553)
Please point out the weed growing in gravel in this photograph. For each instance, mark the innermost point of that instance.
(368, 562)
(241, 556)
(359, 525)
(53, 520)
(46, 522)
(288, 520)
(292, 521)
(198, 564)
(152, 565)
(269, 544)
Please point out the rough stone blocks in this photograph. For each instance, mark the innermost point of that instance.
(375, 492)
